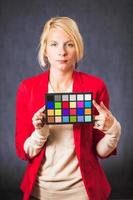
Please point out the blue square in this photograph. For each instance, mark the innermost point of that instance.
(65, 119)
(88, 104)
(50, 105)
(80, 111)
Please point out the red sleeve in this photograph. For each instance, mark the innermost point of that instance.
(23, 121)
(102, 95)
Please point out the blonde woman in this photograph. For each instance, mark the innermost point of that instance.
(63, 159)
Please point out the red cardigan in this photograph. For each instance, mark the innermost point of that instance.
(30, 97)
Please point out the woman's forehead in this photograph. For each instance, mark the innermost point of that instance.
(58, 34)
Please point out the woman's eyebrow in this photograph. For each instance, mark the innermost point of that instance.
(57, 41)
(52, 41)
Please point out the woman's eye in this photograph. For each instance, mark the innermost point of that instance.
(53, 44)
(70, 44)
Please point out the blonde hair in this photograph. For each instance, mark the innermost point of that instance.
(70, 27)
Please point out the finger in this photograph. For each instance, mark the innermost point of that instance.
(97, 117)
(97, 106)
(40, 116)
(95, 127)
(98, 126)
(35, 117)
(39, 126)
(37, 122)
(41, 109)
(103, 106)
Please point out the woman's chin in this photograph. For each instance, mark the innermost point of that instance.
(63, 67)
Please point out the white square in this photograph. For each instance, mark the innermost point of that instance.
(80, 97)
(72, 97)
(87, 97)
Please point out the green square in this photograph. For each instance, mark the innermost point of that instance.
(57, 104)
(72, 118)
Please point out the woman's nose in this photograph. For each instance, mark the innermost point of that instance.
(62, 51)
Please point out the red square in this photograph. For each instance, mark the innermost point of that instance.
(72, 111)
(65, 104)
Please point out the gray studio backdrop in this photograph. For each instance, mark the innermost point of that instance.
(106, 26)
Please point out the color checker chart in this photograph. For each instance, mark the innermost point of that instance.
(68, 108)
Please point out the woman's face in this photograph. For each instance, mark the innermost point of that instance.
(60, 50)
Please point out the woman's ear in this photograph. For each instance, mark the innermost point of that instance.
(47, 63)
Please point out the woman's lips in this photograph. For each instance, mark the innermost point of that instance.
(62, 61)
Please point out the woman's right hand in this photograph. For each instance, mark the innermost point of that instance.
(39, 118)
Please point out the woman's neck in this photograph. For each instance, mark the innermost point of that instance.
(60, 81)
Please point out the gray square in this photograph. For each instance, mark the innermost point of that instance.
(58, 97)
(65, 97)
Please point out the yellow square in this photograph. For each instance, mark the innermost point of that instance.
(58, 112)
(73, 104)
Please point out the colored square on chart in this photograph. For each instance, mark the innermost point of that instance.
(65, 111)
(57, 105)
(65, 104)
(72, 104)
(72, 111)
(68, 108)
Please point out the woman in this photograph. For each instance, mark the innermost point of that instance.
(63, 159)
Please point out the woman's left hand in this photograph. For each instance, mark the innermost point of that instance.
(105, 119)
